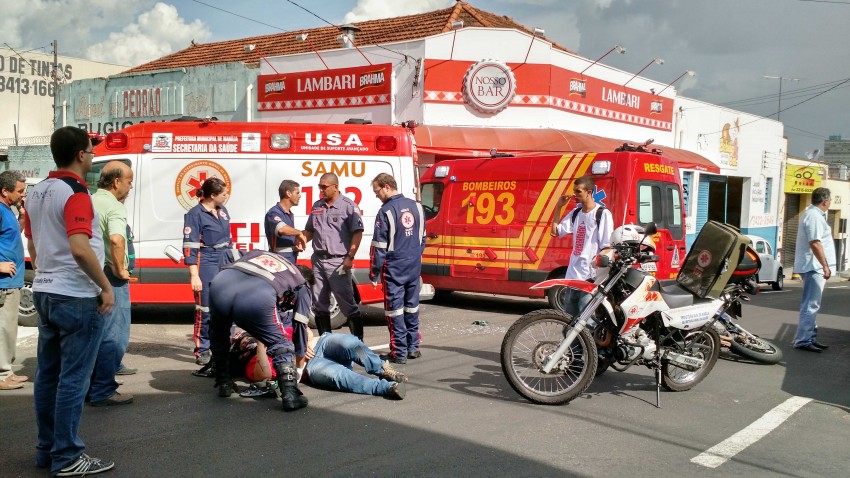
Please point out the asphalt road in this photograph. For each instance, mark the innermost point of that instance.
(461, 417)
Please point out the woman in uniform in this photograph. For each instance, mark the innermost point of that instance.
(207, 246)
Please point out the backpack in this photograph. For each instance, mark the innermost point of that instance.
(598, 215)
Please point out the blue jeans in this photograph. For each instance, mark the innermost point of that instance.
(116, 338)
(575, 301)
(807, 329)
(69, 333)
(331, 366)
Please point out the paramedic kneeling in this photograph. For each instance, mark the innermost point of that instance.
(591, 225)
(254, 293)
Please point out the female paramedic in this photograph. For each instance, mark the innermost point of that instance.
(207, 247)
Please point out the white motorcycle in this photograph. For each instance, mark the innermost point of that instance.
(632, 318)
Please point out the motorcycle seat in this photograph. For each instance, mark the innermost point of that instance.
(675, 295)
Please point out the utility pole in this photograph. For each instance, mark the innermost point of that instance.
(779, 111)
(55, 76)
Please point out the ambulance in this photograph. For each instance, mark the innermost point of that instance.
(170, 161)
(488, 219)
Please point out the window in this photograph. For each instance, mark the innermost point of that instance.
(760, 247)
(93, 175)
(661, 203)
(432, 196)
(687, 179)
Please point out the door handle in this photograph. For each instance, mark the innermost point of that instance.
(670, 248)
(432, 236)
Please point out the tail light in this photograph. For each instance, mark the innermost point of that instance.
(386, 143)
(116, 141)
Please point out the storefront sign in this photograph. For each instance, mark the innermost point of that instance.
(546, 86)
(343, 87)
(802, 179)
(489, 86)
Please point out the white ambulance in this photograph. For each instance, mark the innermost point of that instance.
(170, 160)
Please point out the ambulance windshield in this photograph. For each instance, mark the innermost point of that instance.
(432, 195)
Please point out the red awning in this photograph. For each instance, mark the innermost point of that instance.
(458, 141)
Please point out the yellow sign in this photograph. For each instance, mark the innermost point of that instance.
(802, 179)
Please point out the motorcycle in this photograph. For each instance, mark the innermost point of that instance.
(550, 357)
(739, 340)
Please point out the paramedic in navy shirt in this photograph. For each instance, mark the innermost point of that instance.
(207, 246)
(396, 258)
(281, 234)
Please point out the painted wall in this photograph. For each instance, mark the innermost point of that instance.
(27, 93)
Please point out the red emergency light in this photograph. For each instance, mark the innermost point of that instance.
(386, 143)
(116, 141)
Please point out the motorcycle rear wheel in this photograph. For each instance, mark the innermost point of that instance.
(527, 344)
(705, 346)
(755, 348)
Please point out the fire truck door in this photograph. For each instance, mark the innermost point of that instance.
(478, 233)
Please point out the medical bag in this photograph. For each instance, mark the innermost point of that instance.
(712, 260)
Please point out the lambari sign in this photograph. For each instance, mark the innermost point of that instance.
(343, 87)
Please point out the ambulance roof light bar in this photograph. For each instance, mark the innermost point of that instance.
(600, 167)
(386, 143)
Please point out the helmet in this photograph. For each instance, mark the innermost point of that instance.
(632, 234)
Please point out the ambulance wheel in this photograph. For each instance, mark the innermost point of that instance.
(556, 297)
(337, 318)
(779, 281)
(27, 315)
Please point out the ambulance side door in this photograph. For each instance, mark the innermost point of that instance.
(660, 202)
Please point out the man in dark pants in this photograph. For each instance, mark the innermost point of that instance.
(336, 229)
(282, 236)
(397, 247)
(253, 293)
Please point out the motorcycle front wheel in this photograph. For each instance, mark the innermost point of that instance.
(755, 348)
(703, 344)
(528, 344)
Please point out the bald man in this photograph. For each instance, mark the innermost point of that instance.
(113, 187)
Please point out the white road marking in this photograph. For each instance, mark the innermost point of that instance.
(725, 450)
(379, 347)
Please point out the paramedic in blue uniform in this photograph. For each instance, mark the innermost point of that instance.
(256, 293)
(336, 229)
(281, 233)
(206, 248)
(396, 258)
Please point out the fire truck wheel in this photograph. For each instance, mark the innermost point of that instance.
(27, 315)
(555, 296)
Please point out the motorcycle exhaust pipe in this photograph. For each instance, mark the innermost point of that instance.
(691, 364)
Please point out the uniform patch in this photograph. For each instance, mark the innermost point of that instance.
(223, 215)
(277, 219)
(187, 230)
(269, 263)
(408, 220)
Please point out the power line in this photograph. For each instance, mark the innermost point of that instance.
(238, 15)
(312, 13)
(789, 107)
(825, 1)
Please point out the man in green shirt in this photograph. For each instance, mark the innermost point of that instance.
(116, 180)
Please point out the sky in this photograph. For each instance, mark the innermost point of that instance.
(730, 44)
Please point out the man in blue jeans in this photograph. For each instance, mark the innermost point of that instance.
(814, 260)
(329, 360)
(72, 295)
(114, 185)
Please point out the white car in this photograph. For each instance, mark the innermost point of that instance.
(27, 315)
(771, 269)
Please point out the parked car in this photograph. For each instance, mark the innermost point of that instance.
(771, 268)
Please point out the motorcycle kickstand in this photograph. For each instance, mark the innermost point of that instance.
(658, 387)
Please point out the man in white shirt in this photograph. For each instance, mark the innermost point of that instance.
(591, 229)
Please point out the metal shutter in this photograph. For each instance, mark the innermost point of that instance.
(789, 227)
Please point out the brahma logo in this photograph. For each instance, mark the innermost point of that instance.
(578, 87)
(655, 107)
(489, 86)
(275, 87)
(192, 177)
(372, 79)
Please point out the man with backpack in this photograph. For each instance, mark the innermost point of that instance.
(591, 225)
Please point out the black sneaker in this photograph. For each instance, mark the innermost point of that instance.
(392, 358)
(203, 358)
(414, 355)
(126, 371)
(391, 374)
(396, 391)
(86, 465)
(117, 398)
